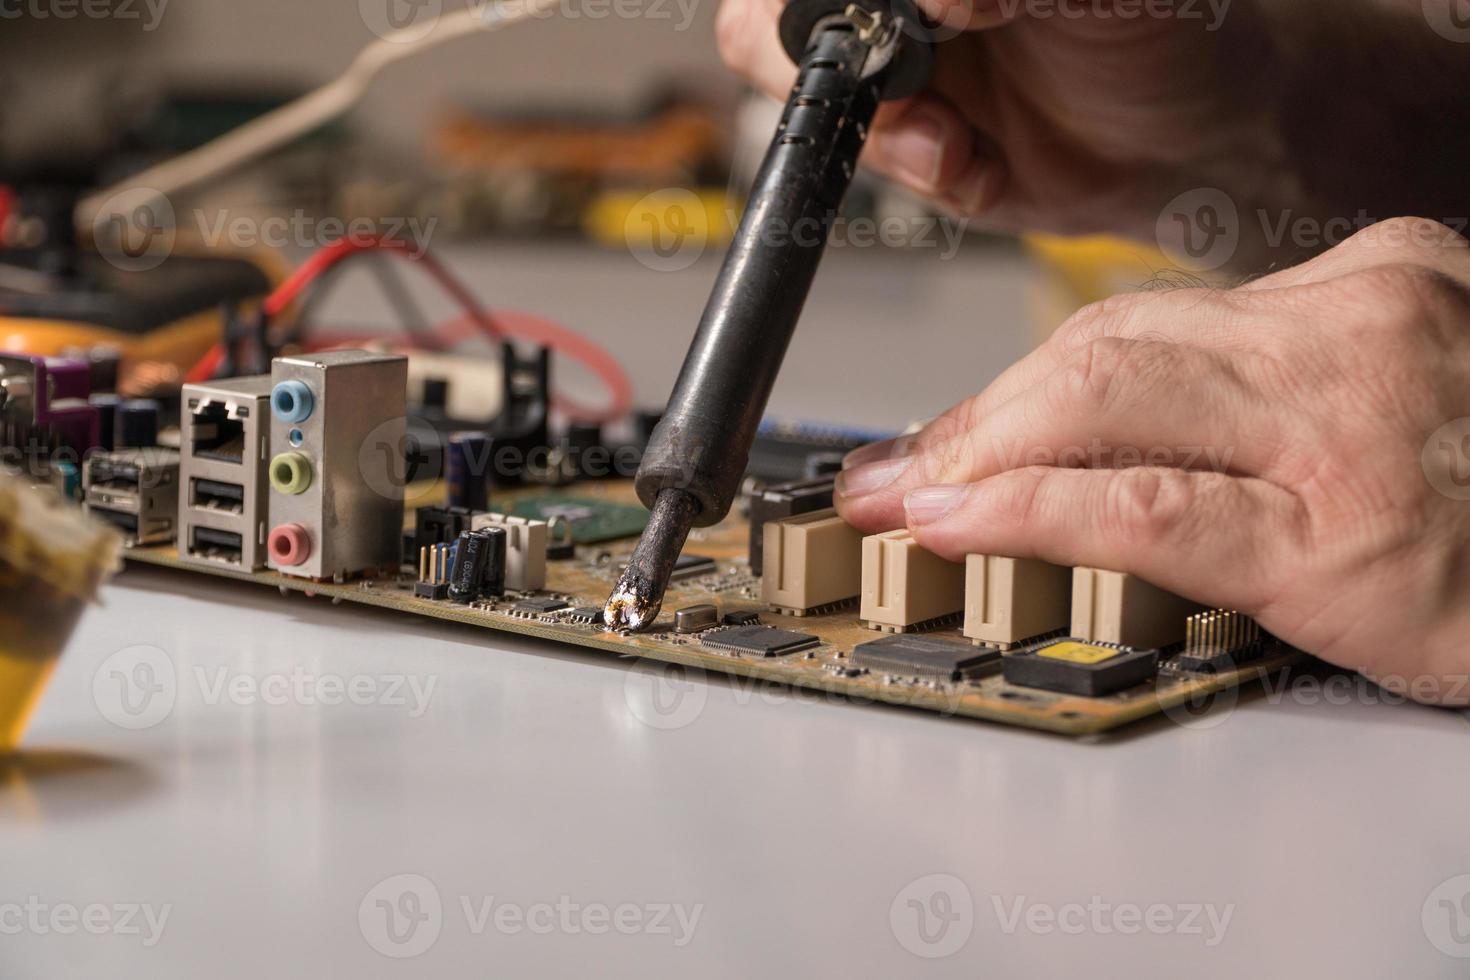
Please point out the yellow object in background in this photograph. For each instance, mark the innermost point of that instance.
(52, 558)
(673, 219)
(1078, 271)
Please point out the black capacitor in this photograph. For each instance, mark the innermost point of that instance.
(467, 470)
(436, 393)
(644, 422)
(103, 364)
(467, 575)
(106, 406)
(497, 542)
(136, 424)
(580, 438)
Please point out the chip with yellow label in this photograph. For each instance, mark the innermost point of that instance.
(1079, 653)
(1072, 665)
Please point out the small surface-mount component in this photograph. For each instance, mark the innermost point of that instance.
(136, 491)
(692, 619)
(742, 617)
(780, 502)
(1008, 600)
(812, 560)
(1115, 607)
(1082, 667)
(586, 616)
(525, 555)
(539, 606)
(692, 566)
(905, 586)
(761, 641)
(1219, 640)
(924, 656)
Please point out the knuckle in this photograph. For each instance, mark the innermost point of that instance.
(1406, 236)
(1097, 319)
(1150, 505)
(1092, 375)
(1403, 297)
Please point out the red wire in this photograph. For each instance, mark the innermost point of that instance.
(474, 320)
(536, 330)
(328, 256)
(7, 201)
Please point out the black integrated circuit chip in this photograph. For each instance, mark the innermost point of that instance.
(586, 616)
(742, 617)
(538, 607)
(1082, 667)
(924, 656)
(762, 641)
(692, 566)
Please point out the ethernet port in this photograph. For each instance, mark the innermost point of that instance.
(217, 436)
(207, 542)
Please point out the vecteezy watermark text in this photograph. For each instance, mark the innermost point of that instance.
(37, 917)
(138, 687)
(403, 916)
(148, 12)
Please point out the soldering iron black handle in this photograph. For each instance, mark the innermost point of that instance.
(703, 442)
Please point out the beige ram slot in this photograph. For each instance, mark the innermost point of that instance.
(811, 561)
(1008, 600)
(905, 586)
(1115, 607)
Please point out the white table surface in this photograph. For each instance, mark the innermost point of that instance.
(557, 805)
(263, 810)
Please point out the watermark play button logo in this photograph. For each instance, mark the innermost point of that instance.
(136, 687)
(933, 916)
(1200, 229)
(1450, 19)
(401, 917)
(404, 21)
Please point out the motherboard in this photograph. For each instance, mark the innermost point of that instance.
(733, 631)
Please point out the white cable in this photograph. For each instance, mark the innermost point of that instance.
(311, 111)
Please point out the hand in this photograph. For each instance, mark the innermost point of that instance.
(1297, 449)
(1073, 124)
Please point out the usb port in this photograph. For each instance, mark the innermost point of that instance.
(117, 518)
(216, 495)
(114, 475)
(206, 542)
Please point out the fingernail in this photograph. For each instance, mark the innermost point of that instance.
(871, 477)
(870, 453)
(916, 151)
(896, 448)
(929, 504)
(979, 193)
